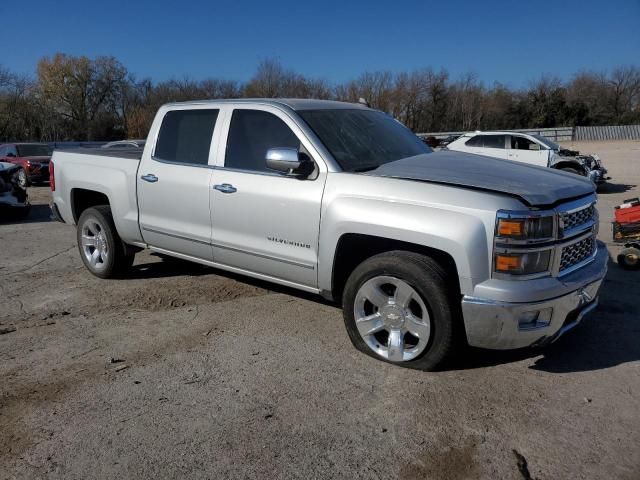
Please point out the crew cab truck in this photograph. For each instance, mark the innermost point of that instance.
(425, 251)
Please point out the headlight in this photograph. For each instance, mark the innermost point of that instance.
(523, 263)
(523, 244)
(524, 227)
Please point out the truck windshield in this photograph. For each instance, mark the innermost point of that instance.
(33, 150)
(362, 140)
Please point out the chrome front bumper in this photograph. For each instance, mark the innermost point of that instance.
(502, 325)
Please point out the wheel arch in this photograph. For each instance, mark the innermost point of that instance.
(568, 164)
(354, 248)
(82, 199)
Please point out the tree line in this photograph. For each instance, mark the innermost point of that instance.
(80, 98)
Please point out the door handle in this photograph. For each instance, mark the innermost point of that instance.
(149, 177)
(226, 188)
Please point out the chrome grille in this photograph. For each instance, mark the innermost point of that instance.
(576, 253)
(575, 219)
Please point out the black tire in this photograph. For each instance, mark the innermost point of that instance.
(629, 258)
(117, 262)
(429, 280)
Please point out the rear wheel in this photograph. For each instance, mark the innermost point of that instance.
(398, 308)
(629, 258)
(101, 249)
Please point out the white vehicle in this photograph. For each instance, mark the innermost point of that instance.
(531, 149)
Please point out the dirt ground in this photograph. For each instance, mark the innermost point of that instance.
(181, 370)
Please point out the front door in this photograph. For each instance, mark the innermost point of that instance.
(527, 151)
(174, 184)
(263, 221)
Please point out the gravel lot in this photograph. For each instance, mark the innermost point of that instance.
(217, 376)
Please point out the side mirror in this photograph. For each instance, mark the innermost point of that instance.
(289, 161)
(534, 146)
(11, 154)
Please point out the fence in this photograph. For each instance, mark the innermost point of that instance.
(567, 134)
(617, 132)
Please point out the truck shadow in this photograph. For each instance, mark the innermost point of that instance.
(37, 214)
(606, 338)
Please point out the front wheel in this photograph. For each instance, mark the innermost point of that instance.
(575, 171)
(21, 179)
(101, 249)
(398, 307)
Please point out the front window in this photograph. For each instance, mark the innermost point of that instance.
(251, 134)
(547, 142)
(33, 150)
(362, 140)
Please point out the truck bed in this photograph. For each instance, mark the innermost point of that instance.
(128, 153)
(111, 172)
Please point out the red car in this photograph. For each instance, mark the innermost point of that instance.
(33, 157)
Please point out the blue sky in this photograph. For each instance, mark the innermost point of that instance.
(508, 41)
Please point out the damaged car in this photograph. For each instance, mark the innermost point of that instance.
(14, 201)
(531, 149)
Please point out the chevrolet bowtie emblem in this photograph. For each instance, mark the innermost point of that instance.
(584, 296)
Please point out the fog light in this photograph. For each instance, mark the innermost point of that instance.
(535, 319)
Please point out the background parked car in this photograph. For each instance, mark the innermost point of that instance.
(446, 141)
(532, 149)
(34, 158)
(14, 201)
(125, 144)
(433, 142)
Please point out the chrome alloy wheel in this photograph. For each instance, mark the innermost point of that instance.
(22, 179)
(392, 318)
(94, 244)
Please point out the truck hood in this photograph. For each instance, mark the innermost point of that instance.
(536, 186)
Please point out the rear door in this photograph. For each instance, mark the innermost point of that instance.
(523, 149)
(493, 146)
(174, 183)
(264, 221)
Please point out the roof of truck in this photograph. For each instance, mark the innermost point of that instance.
(293, 103)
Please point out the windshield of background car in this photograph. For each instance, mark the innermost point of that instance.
(33, 150)
(362, 140)
(548, 143)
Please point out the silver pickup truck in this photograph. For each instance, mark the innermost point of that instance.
(425, 251)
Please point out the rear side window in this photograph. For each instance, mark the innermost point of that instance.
(251, 134)
(474, 141)
(185, 136)
(486, 141)
(494, 141)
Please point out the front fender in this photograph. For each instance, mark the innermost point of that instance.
(462, 236)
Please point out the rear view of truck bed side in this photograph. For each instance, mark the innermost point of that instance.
(90, 177)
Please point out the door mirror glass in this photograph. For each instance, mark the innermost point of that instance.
(534, 146)
(289, 161)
